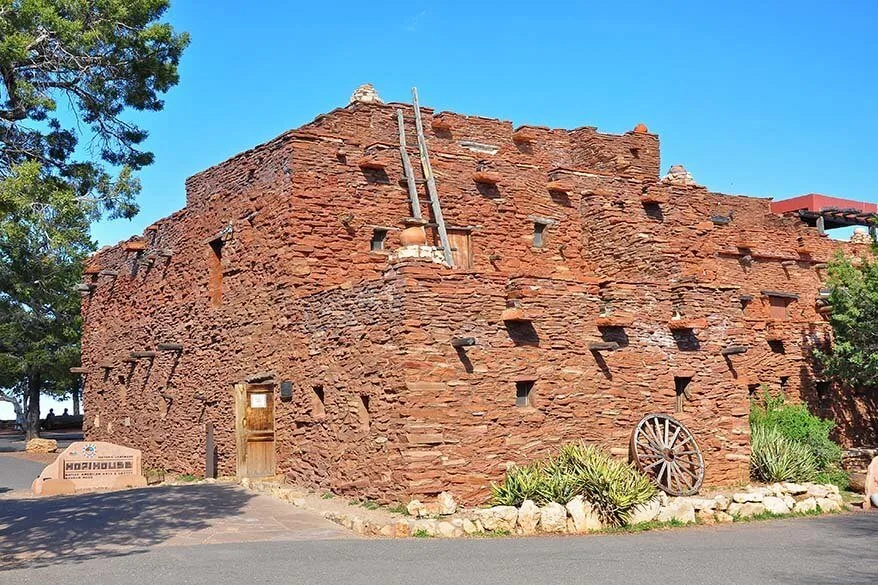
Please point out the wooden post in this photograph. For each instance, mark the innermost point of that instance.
(821, 225)
(431, 181)
(407, 166)
(240, 440)
(209, 452)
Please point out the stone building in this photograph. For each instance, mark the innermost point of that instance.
(298, 305)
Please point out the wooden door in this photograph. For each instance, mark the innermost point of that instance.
(461, 249)
(254, 415)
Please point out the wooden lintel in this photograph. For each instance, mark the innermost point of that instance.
(106, 365)
(169, 347)
(781, 294)
(259, 377)
(113, 273)
(735, 350)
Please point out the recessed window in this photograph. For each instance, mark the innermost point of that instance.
(784, 383)
(524, 393)
(363, 412)
(779, 307)
(753, 390)
(681, 384)
(215, 266)
(635, 152)
(379, 237)
(539, 235)
(318, 401)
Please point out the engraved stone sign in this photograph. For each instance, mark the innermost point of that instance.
(91, 465)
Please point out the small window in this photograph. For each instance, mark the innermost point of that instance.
(363, 412)
(753, 390)
(524, 393)
(784, 383)
(318, 402)
(822, 389)
(681, 384)
(635, 152)
(379, 236)
(539, 235)
(779, 307)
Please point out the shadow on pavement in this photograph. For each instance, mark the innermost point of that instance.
(42, 532)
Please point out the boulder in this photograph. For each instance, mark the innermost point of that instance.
(447, 505)
(806, 505)
(528, 517)
(553, 518)
(498, 517)
(775, 505)
(644, 512)
(680, 509)
(753, 497)
(705, 517)
(427, 527)
(722, 502)
(827, 505)
(448, 530)
(585, 518)
(746, 510)
(41, 446)
(469, 527)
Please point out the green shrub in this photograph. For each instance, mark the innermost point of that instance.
(836, 476)
(775, 457)
(613, 487)
(796, 423)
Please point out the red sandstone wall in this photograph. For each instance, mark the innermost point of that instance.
(303, 296)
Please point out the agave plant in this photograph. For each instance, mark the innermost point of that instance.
(776, 457)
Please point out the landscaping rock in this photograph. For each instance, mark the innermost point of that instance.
(775, 505)
(469, 527)
(41, 446)
(427, 527)
(528, 517)
(723, 517)
(448, 530)
(498, 517)
(806, 505)
(747, 509)
(827, 505)
(705, 517)
(402, 528)
(794, 489)
(789, 500)
(753, 497)
(818, 491)
(722, 502)
(644, 512)
(416, 509)
(702, 503)
(679, 509)
(585, 518)
(553, 518)
(447, 505)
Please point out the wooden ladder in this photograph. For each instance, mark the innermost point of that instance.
(428, 176)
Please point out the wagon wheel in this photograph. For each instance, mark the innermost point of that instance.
(664, 449)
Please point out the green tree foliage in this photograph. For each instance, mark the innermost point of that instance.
(69, 69)
(853, 358)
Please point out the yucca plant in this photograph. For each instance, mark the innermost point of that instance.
(776, 457)
(613, 487)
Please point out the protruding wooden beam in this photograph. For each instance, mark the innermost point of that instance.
(143, 354)
(463, 341)
(734, 350)
(134, 246)
(781, 294)
(84, 288)
(113, 273)
(603, 346)
(169, 347)
(78, 370)
(106, 365)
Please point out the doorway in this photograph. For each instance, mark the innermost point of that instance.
(254, 426)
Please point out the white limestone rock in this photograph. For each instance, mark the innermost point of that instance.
(775, 505)
(447, 505)
(498, 517)
(644, 512)
(528, 517)
(827, 505)
(366, 94)
(553, 517)
(680, 509)
(746, 510)
(753, 497)
(805, 506)
(585, 517)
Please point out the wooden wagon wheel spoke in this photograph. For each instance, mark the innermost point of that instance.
(664, 449)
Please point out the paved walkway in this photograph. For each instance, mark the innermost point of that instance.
(46, 531)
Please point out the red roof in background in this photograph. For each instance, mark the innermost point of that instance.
(816, 202)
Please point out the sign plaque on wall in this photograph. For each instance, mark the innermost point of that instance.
(259, 401)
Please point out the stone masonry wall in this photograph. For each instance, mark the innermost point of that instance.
(269, 268)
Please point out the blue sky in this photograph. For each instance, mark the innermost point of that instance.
(774, 100)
